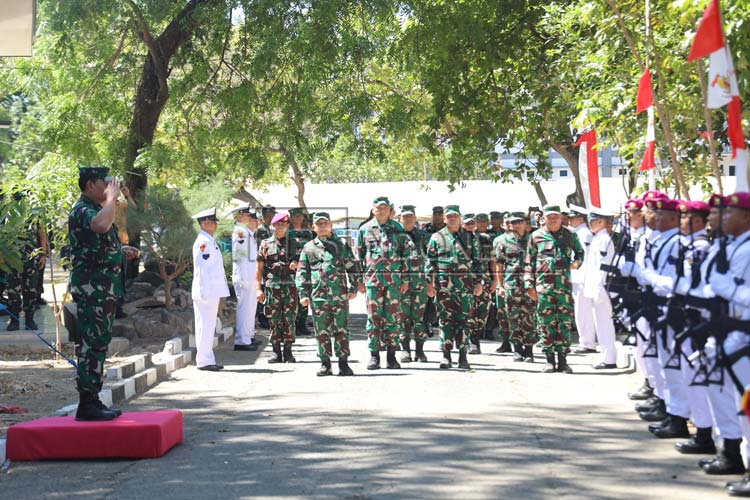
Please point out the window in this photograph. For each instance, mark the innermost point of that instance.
(622, 171)
(563, 173)
(732, 170)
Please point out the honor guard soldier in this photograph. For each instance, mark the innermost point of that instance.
(553, 251)
(582, 305)
(95, 283)
(453, 272)
(327, 278)
(384, 251)
(298, 236)
(209, 287)
(415, 301)
(244, 263)
(274, 282)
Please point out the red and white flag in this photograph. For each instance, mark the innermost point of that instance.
(588, 168)
(722, 84)
(645, 102)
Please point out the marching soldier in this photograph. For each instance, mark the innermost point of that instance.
(415, 301)
(478, 315)
(209, 287)
(454, 277)
(547, 281)
(508, 261)
(95, 283)
(298, 236)
(274, 283)
(582, 305)
(244, 258)
(327, 278)
(384, 252)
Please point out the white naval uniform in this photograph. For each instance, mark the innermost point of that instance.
(209, 286)
(581, 304)
(600, 251)
(244, 258)
(638, 239)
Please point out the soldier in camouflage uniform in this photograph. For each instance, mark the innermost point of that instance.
(478, 316)
(95, 283)
(552, 252)
(263, 232)
(274, 284)
(298, 236)
(453, 273)
(508, 267)
(436, 224)
(384, 252)
(415, 301)
(327, 278)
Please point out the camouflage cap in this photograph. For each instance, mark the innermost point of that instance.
(482, 217)
(268, 209)
(452, 209)
(551, 209)
(408, 209)
(496, 215)
(320, 215)
(437, 210)
(381, 200)
(516, 216)
(295, 211)
(468, 218)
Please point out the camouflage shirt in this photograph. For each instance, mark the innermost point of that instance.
(431, 229)
(384, 252)
(264, 232)
(548, 259)
(484, 240)
(298, 238)
(419, 240)
(510, 251)
(96, 258)
(327, 270)
(453, 256)
(276, 255)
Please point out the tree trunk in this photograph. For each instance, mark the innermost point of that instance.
(298, 179)
(167, 283)
(539, 192)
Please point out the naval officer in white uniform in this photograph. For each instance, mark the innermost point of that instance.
(244, 258)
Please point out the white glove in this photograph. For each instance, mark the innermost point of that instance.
(683, 287)
(723, 285)
(742, 296)
(626, 268)
(707, 292)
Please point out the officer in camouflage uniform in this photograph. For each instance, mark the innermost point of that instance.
(384, 252)
(274, 285)
(95, 283)
(415, 301)
(327, 278)
(552, 252)
(508, 267)
(263, 232)
(453, 273)
(298, 236)
(436, 224)
(478, 316)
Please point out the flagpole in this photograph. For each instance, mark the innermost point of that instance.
(709, 126)
(651, 175)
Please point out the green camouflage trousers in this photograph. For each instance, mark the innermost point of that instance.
(281, 311)
(414, 304)
(383, 316)
(454, 306)
(503, 327)
(479, 311)
(331, 318)
(555, 321)
(21, 287)
(521, 313)
(94, 326)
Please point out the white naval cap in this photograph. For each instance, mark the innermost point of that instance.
(576, 210)
(209, 213)
(598, 213)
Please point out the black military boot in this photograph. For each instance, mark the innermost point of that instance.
(505, 346)
(288, 356)
(550, 366)
(474, 349)
(344, 369)
(277, 354)
(463, 361)
(739, 488)
(89, 410)
(419, 354)
(562, 363)
(390, 358)
(518, 354)
(104, 407)
(374, 363)
(675, 428)
(644, 392)
(406, 352)
(30, 323)
(528, 353)
(302, 327)
(729, 461)
(446, 362)
(701, 443)
(656, 414)
(325, 369)
(13, 325)
(649, 404)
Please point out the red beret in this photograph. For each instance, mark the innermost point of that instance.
(716, 200)
(738, 200)
(694, 206)
(652, 195)
(663, 204)
(280, 218)
(634, 204)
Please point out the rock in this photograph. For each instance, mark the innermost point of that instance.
(148, 329)
(138, 291)
(118, 345)
(150, 277)
(124, 328)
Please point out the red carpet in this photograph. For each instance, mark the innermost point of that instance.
(132, 435)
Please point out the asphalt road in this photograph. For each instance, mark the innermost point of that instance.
(502, 430)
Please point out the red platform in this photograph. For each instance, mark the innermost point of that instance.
(131, 435)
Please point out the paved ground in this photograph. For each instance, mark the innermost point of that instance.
(502, 430)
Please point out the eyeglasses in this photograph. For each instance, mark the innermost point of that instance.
(514, 222)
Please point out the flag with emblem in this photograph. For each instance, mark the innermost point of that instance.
(588, 168)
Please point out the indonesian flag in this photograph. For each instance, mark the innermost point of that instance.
(645, 102)
(588, 169)
(722, 84)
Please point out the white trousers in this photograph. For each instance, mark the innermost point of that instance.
(675, 391)
(247, 303)
(721, 401)
(734, 342)
(205, 330)
(584, 320)
(601, 313)
(700, 411)
(651, 365)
